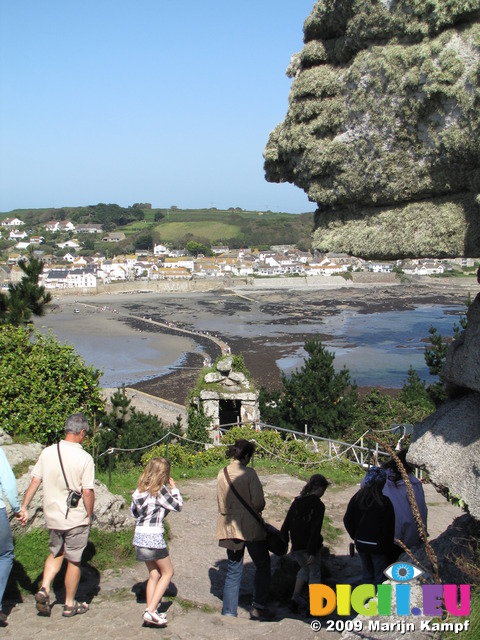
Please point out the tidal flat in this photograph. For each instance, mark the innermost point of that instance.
(158, 342)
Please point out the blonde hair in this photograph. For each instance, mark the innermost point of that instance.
(154, 476)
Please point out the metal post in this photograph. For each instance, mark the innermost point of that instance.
(166, 448)
(109, 470)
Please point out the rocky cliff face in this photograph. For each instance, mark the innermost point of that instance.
(383, 126)
(447, 443)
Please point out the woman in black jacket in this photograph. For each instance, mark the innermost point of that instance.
(370, 521)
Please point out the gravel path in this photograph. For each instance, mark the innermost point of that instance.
(116, 611)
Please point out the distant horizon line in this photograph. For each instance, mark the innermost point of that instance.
(154, 208)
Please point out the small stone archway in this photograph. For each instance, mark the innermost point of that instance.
(228, 397)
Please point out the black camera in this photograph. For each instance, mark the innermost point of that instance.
(73, 499)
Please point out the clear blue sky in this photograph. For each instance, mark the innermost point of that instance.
(163, 101)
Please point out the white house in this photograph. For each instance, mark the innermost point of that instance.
(381, 267)
(70, 244)
(52, 225)
(65, 225)
(54, 279)
(81, 278)
(12, 222)
(160, 249)
(17, 235)
(430, 267)
(183, 262)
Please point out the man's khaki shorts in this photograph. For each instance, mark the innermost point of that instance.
(70, 542)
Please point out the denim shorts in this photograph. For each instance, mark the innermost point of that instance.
(144, 554)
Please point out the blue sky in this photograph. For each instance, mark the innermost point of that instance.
(163, 101)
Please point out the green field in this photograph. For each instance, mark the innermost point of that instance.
(210, 230)
(235, 227)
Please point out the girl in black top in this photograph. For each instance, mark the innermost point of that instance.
(303, 524)
(370, 521)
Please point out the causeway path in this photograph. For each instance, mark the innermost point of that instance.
(116, 610)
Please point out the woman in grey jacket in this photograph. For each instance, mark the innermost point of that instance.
(237, 529)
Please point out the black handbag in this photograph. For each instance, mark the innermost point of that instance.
(276, 542)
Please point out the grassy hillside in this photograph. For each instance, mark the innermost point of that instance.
(247, 228)
(236, 228)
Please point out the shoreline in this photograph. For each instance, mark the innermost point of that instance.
(168, 334)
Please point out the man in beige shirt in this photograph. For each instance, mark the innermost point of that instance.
(67, 474)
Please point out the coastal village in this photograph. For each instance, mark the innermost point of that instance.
(76, 270)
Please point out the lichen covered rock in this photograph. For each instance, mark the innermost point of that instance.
(447, 443)
(383, 126)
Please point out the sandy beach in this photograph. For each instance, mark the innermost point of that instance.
(157, 342)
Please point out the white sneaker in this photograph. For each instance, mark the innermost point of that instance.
(155, 619)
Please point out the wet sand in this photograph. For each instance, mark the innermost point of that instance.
(171, 333)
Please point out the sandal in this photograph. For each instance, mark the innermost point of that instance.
(42, 602)
(155, 619)
(76, 608)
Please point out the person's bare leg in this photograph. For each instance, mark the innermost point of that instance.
(72, 578)
(165, 569)
(153, 578)
(50, 570)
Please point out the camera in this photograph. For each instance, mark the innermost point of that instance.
(73, 499)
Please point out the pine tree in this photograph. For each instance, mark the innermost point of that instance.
(318, 396)
(25, 298)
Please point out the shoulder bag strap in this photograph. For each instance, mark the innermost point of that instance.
(61, 464)
(245, 504)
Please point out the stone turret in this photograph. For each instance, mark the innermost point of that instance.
(228, 396)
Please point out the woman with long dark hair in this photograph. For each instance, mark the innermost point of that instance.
(303, 525)
(370, 521)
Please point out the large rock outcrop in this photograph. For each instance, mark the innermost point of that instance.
(383, 126)
(447, 443)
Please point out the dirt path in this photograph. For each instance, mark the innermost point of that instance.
(116, 611)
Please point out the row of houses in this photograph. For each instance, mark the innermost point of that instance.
(86, 272)
(55, 226)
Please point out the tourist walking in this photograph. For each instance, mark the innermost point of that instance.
(370, 521)
(238, 529)
(151, 503)
(303, 525)
(8, 490)
(67, 474)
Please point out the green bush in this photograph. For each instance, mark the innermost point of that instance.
(43, 382)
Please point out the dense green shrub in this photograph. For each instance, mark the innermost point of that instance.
(43, 382)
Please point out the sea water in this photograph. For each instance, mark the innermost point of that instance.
(379, 348)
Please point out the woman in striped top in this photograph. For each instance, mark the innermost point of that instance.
(154, 497)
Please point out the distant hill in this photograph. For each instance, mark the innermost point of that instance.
(144, 226)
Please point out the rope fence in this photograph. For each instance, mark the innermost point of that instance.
(336, 448)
